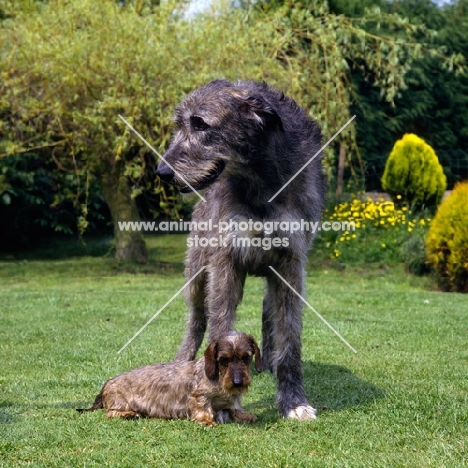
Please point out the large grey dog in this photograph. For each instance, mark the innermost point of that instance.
(243, 142)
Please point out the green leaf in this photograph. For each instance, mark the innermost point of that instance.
(6, 199)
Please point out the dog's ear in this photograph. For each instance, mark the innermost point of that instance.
(211, 361)
(256, 351)
(256, 108)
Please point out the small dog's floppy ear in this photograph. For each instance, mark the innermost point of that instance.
(211, 361)
(256, 108)
(258, 357)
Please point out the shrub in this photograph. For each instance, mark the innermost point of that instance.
(413, 254)
(381, 233)
(413, 173)
(447, 241)
(38, 199)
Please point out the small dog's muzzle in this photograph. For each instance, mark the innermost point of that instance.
(237, 381)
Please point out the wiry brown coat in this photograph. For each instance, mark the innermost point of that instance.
(207, 390)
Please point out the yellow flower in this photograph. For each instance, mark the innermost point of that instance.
(384, 245)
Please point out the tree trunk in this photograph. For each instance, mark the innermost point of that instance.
(129, 245)
(340, 175)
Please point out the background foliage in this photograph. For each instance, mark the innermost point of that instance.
(37, 196)
(383, 232)
(447, 241)
(70, 67)
(413, 173)
(434, 103)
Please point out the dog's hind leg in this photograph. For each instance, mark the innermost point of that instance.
(268, 326)
(196, 325)
(291, 397)
(123, 414)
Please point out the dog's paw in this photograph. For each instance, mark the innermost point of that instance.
(241, 415)
(302, 412)
(223, 416)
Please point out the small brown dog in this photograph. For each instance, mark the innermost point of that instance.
(206, 390)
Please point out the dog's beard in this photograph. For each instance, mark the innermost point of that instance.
(237, 390)
(205, 180)
(228, 385)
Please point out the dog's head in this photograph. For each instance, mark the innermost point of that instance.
(228, 360)
(219, 127)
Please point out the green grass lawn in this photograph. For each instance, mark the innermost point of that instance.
(400, 401)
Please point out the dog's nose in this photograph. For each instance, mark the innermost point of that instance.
(237, 381)
(165, 172)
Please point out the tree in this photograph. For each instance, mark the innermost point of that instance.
(366, 55)
(73, 67)
(434, 104)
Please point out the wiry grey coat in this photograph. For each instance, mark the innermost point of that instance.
(243, 142)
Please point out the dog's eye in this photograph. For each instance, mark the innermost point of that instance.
(198, 123)
(224, 362)
(246, 360)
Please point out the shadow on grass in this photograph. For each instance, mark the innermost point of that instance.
(328, 387)
(5, 416)
(336, 388)
(7, 407)
(97, 257)
(60, 248)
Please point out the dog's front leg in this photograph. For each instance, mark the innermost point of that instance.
(287, 325)
(242, 416)
(200, 409)
(239, 414)
(196, 323)
(225, 287)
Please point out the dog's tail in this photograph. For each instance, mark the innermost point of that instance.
(96, 405)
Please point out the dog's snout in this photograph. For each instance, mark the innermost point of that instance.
(165, 172)
(237, 381)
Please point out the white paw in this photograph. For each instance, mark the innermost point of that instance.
(303, 412)
(223, 416)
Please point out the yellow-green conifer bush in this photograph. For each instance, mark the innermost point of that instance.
(413, 173)
(447, 241)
